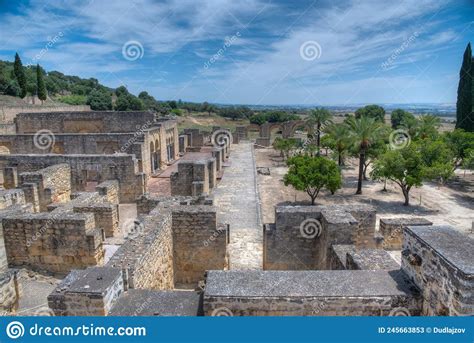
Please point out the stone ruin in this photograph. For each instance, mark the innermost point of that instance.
(60, 213)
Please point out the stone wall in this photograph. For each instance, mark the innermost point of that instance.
(196, 138)
(9, 292)
(89, 292)
(51, 185)
(370, 259)
(439, 260)
(183, 143)
(83, 122)
(54, 242)
(309, 293)
(9, 113)
(147, 256)
(198, 243)
(392, 230)
(303, 235)
(87, 168)
(103, 204)
(194, 178)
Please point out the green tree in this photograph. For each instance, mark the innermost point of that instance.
(372, 111)
(398, 116)
(122, 90)
(20, 75)
(468, 162)
(410, 124)
(428, 126)
(340, 140)
(464, 104)
(285, 146)
(40, 87)
(364, 131)
(437, 159)
(99, 100)
(316, 119)
(173, 104)
(402, 166)
(128, 102)
(312, 174)
(461, 144)
(258, 118)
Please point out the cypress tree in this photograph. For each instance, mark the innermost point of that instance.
(40, 87)
(464, 104)
(20, 75)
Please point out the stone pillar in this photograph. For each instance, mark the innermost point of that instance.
(10, 178)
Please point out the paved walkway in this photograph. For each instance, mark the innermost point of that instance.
(238, 205)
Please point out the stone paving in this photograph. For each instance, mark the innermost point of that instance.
(237, 200)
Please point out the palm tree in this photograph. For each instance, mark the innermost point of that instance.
(363, 131)
(316, 119)
(428, 126)
(340, 139)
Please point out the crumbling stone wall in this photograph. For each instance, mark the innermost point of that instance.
(308, 232)
(147, 257)
(198, 243)
(88, 168)
(9, 291)
(194, 178)
(196, 138)
(55, 242)
(183, 143)
(89, 292)
(175, 244)
(51, 185)
(438, 259)
(103, 204)
(392, 230)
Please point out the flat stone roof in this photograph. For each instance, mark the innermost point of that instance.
(372, 259)
(94, 280)
(454, 247)
(314, 283)
(141, 302)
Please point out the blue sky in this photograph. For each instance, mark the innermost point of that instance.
(250, 51)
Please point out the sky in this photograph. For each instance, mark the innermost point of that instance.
(261, 52)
